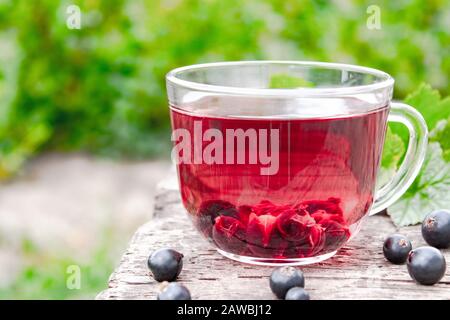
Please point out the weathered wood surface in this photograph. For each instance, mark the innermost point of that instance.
(358, 271)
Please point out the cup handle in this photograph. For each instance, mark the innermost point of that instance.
(415, 155)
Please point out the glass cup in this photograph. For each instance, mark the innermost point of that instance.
(277, 160)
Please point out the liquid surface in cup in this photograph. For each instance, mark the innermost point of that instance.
(310, 206)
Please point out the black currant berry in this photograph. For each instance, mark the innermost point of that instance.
(297, 293)
(396, 248)
(285, 278)
(165, 264)
(174, 291)
(426, 265)
(436, 229)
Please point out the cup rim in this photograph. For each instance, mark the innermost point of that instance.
(386, 80)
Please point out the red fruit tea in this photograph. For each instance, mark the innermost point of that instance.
(310, 206)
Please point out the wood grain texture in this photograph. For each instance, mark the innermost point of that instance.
(358, 271)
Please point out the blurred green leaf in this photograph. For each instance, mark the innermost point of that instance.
(429, 103)
(441, 134)
(393, 150)
(429, 191)
(288, 82)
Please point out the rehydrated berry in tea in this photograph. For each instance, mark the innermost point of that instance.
(216, 208)
(165, 264)
(267, 207)
(210, 210)
(275, 231)
(336, 234)
(396, 248)
(284, 278)
(330, 206)
(262, 236)
(229, 234)
(262, 226)
(294, 226)
(304, 235)
(436, 229)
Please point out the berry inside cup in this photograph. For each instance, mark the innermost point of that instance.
(268, 230)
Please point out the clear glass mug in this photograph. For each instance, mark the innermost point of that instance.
(277, 160)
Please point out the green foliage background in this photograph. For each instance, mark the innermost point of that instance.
(101, 89)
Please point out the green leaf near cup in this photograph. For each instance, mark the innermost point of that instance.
(430, 189)
(441, 134)
(428, 192)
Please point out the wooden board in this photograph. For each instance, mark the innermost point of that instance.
(358, 271)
